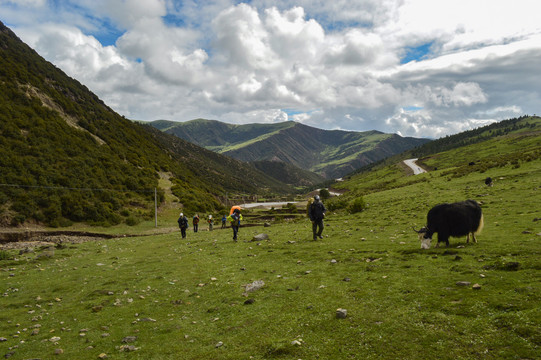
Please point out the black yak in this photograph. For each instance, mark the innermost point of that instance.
(457, 219)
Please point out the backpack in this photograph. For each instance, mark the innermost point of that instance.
(182, 222)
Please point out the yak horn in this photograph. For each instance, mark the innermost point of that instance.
(417, 231)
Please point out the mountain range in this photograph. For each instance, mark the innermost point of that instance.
(67, 157)
(328, 153)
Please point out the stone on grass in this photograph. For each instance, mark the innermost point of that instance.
(256, 285)
(128, 348)
(219, 344)
(58, 351)
(102, 356)
(260, 237)
(341, 313)
(463, 283)
(129, 339)
(476, 287)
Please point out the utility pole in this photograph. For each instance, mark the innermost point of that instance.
(156, 207)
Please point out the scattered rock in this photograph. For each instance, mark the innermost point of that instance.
(341, 313)
(58, 351)
(463, 283)
(249, 302)
(266, 224)
(102, 356)
(260, 237)
(346, 279)
(219, 344)
(333, 261)
(256, 285)
(129, 339)
(476, 287)
(128, 348)
(148, 320)
(54, 339)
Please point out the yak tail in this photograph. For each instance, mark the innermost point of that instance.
(481, 224)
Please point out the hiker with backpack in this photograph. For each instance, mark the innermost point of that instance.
(234, 218)
(183, 224)
(195, 222)
(317, 213)
(211, 222)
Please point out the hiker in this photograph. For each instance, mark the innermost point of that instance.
(182, 224)
(235, 219)
(211, 222)
(224, 219)
(317, 213)
(195, 221)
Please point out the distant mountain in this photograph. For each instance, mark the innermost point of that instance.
(67, 157)
(329, 153)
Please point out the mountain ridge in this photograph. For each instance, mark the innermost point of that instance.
(329, 153)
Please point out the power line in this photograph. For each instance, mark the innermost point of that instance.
(72, 188)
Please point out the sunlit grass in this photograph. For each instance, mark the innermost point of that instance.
(184, 299)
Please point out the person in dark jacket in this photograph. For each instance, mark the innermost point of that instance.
(195, 222)
(182, 224)
(317, 213)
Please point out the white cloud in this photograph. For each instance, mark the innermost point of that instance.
(336, 64)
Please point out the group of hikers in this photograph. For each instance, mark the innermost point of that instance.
(316, 213)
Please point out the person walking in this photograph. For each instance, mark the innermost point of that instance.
(224, 219)
(211, 222)
(317, 213)
(195, 222)
(182, 224)
(235, 219)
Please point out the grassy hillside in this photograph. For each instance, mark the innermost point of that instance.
(517, 142)
(331, 154)
(67, 157)
(288, 174)
(173, 299)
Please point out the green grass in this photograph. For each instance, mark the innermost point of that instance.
(402, 302)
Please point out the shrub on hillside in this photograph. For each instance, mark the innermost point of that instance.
(336, 203)
(357, 205)
(324, 194)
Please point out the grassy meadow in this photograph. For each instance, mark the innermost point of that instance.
(161, 297)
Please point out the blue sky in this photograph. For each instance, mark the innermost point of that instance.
(420, 68)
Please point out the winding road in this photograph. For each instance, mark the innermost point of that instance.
(416, 168)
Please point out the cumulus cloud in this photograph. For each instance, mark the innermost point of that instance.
(414, 67)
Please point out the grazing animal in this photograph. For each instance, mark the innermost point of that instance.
(456, 219)
(488, 181)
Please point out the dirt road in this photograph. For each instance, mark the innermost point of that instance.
(416, 168)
